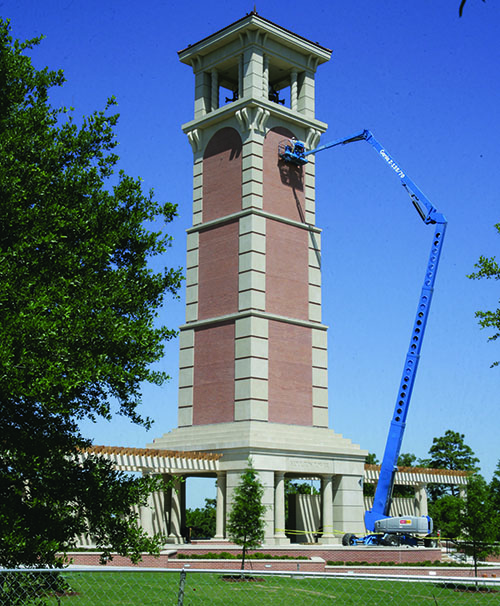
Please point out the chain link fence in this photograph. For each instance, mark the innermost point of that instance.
(127, 587)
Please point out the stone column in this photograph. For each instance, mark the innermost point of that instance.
(233, 478)
(305, 104)
(421, 500)
(241, 87)
(202, 94)
(293, 90)
(253, 72)
(221, 506)
(348, 505)
(327, 509)
(267, 479)
(215, 90)
(265, 77)
(146, 515)
(279, 508)
(174, 535)
(159, 518)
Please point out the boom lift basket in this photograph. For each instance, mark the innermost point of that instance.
(292, 151)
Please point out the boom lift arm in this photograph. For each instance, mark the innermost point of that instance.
(376, 518)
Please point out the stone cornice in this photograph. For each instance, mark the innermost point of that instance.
(269, 108)
(254, 22)
(252, 211)
(254, 313)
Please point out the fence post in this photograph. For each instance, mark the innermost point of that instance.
(182, 582)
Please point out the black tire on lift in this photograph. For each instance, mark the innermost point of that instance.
(391, 540)
(347, 539)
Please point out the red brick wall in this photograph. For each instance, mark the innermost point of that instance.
(287, 290)
(213, 393)
(287, 270)
(269, 565)
(218, 271)
(345, 554)
(332, 553)
(283, 183)
(290, 374)
(163, 561)
(399, 556)
(222, 175)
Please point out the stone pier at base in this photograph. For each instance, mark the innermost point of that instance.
(337, 505)
(337, 462)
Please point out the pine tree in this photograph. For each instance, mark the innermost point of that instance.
(450, 452)
(246, 520)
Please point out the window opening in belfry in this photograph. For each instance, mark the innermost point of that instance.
(227, 95)
(228, 81)
(279, 77)
(280, 96)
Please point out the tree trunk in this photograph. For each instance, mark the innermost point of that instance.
(243, 553)
(243, 558)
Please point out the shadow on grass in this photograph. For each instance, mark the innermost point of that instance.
(467, 588)
(241, 578)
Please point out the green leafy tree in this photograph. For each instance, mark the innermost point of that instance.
(78, 303)
(495, 495)
(478, 521)
(49, 496)
(201, 521)
(450, 452)
(246, 520)
(405, 459)
(292, 487)
(445, 513)
(488, 268)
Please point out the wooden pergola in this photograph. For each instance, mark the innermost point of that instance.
(148, 460)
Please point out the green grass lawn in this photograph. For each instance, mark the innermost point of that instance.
(160, 588)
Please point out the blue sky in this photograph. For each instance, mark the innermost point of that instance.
(426, 83)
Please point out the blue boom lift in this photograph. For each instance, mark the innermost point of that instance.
(383, 529)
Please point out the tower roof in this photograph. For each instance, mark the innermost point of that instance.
(253, 21)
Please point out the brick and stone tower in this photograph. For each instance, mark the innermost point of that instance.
(253, 350)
